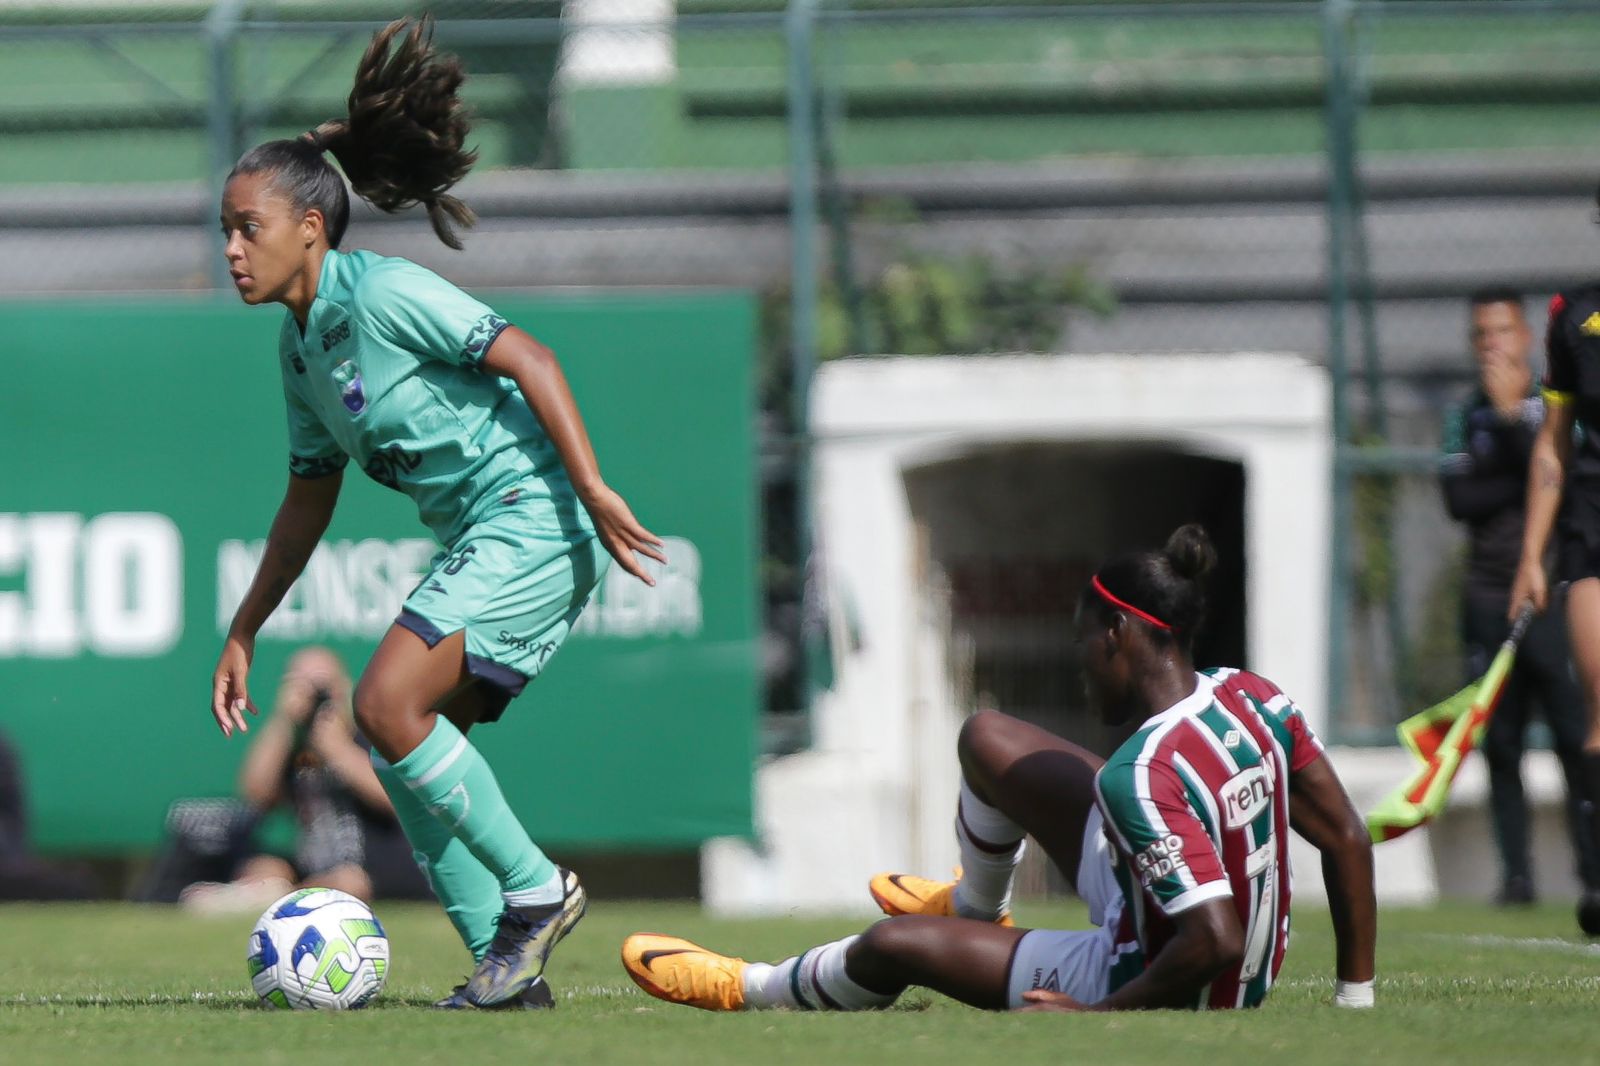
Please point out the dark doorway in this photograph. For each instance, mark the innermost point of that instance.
(1015, 530)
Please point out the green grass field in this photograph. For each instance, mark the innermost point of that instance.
(117, 983)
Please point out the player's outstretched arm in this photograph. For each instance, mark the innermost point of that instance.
(1321, 811)
(302, 518)
(516, 355)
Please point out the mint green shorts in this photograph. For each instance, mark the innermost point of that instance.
(516, 581)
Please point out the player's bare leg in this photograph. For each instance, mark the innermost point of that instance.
(1017, 779)
(433, 761)
(1583, 627)
(967, 960)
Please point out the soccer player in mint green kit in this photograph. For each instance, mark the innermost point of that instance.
(434, 395)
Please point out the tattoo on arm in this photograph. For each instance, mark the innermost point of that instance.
(1549, 474)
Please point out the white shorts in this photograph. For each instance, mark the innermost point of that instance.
(1075, 961)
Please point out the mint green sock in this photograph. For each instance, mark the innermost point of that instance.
(469, 893)
(457, 787)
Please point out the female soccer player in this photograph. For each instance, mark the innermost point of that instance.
(435, 395)
(1178, 843)
(1564, 497)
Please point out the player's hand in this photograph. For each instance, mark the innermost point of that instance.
(622, 534)
(230, 694)
(1530, 588)
(1039, 999)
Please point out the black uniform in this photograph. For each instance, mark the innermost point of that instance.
(1484, 473)
(1572, 377)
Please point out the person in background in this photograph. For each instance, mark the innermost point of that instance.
(310, 757)
(23, 875)
(1484, 473)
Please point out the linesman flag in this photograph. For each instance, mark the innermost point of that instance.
(1441, 737)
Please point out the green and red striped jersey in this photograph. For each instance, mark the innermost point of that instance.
(1196, 806)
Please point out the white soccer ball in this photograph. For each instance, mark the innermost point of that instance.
(318, 949)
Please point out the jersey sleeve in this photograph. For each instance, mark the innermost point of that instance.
(413, 308)
(1560, 370)
(1300, 742)
(312, 450)
(1283, 716)
(1167, 847)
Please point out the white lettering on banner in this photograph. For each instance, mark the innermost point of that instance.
(624, 606)
(113, 584)
(349, 588)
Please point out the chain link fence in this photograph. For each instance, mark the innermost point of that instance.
(1325, 178)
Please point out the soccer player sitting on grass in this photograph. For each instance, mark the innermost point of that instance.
(1178, 843)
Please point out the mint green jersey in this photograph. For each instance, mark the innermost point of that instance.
(389, 372)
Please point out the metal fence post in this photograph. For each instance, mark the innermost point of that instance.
(800, 32)
(222, 116)
(1336, 15)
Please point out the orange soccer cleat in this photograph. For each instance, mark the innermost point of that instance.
(679, 971)
(909, 894)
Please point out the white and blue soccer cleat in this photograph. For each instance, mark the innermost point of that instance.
(536, 996)
(523, 944)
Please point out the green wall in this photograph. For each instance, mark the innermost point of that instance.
(146, 437)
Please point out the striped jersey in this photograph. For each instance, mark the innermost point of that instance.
(1196, 806)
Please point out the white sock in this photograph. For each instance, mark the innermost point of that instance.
(812, 980)
(552, 891)
(991, 847)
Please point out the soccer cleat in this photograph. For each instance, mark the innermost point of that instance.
(522, 944)
(536, 996)
(908, 894)
(1589, 912)
(679, 971)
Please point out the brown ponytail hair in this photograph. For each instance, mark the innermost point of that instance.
(402, 142)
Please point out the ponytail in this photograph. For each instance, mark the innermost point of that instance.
(402, 142)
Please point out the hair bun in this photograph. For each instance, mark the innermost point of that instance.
(1190, 552)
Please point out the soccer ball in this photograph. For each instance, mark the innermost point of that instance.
(318, 949)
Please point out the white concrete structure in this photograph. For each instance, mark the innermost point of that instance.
(619, 42)
(878, 790)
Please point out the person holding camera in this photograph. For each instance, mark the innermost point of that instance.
(310, 758)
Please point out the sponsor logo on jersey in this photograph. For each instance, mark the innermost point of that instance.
(386, 465)
(1230, 739)
(1160, 859)
(1050, 982)
(337, 335)
(1591, 325)
(1244, 795)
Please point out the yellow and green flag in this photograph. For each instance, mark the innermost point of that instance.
(1441, 737)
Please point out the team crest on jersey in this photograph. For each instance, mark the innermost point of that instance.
(348, 377)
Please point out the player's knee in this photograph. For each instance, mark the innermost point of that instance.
(980, 742)
(899, 939)
(377, 711)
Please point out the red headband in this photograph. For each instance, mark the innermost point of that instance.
(1126, 606)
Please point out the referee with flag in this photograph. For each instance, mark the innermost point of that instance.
(1484, 472)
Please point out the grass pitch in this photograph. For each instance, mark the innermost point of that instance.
(136, 985)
